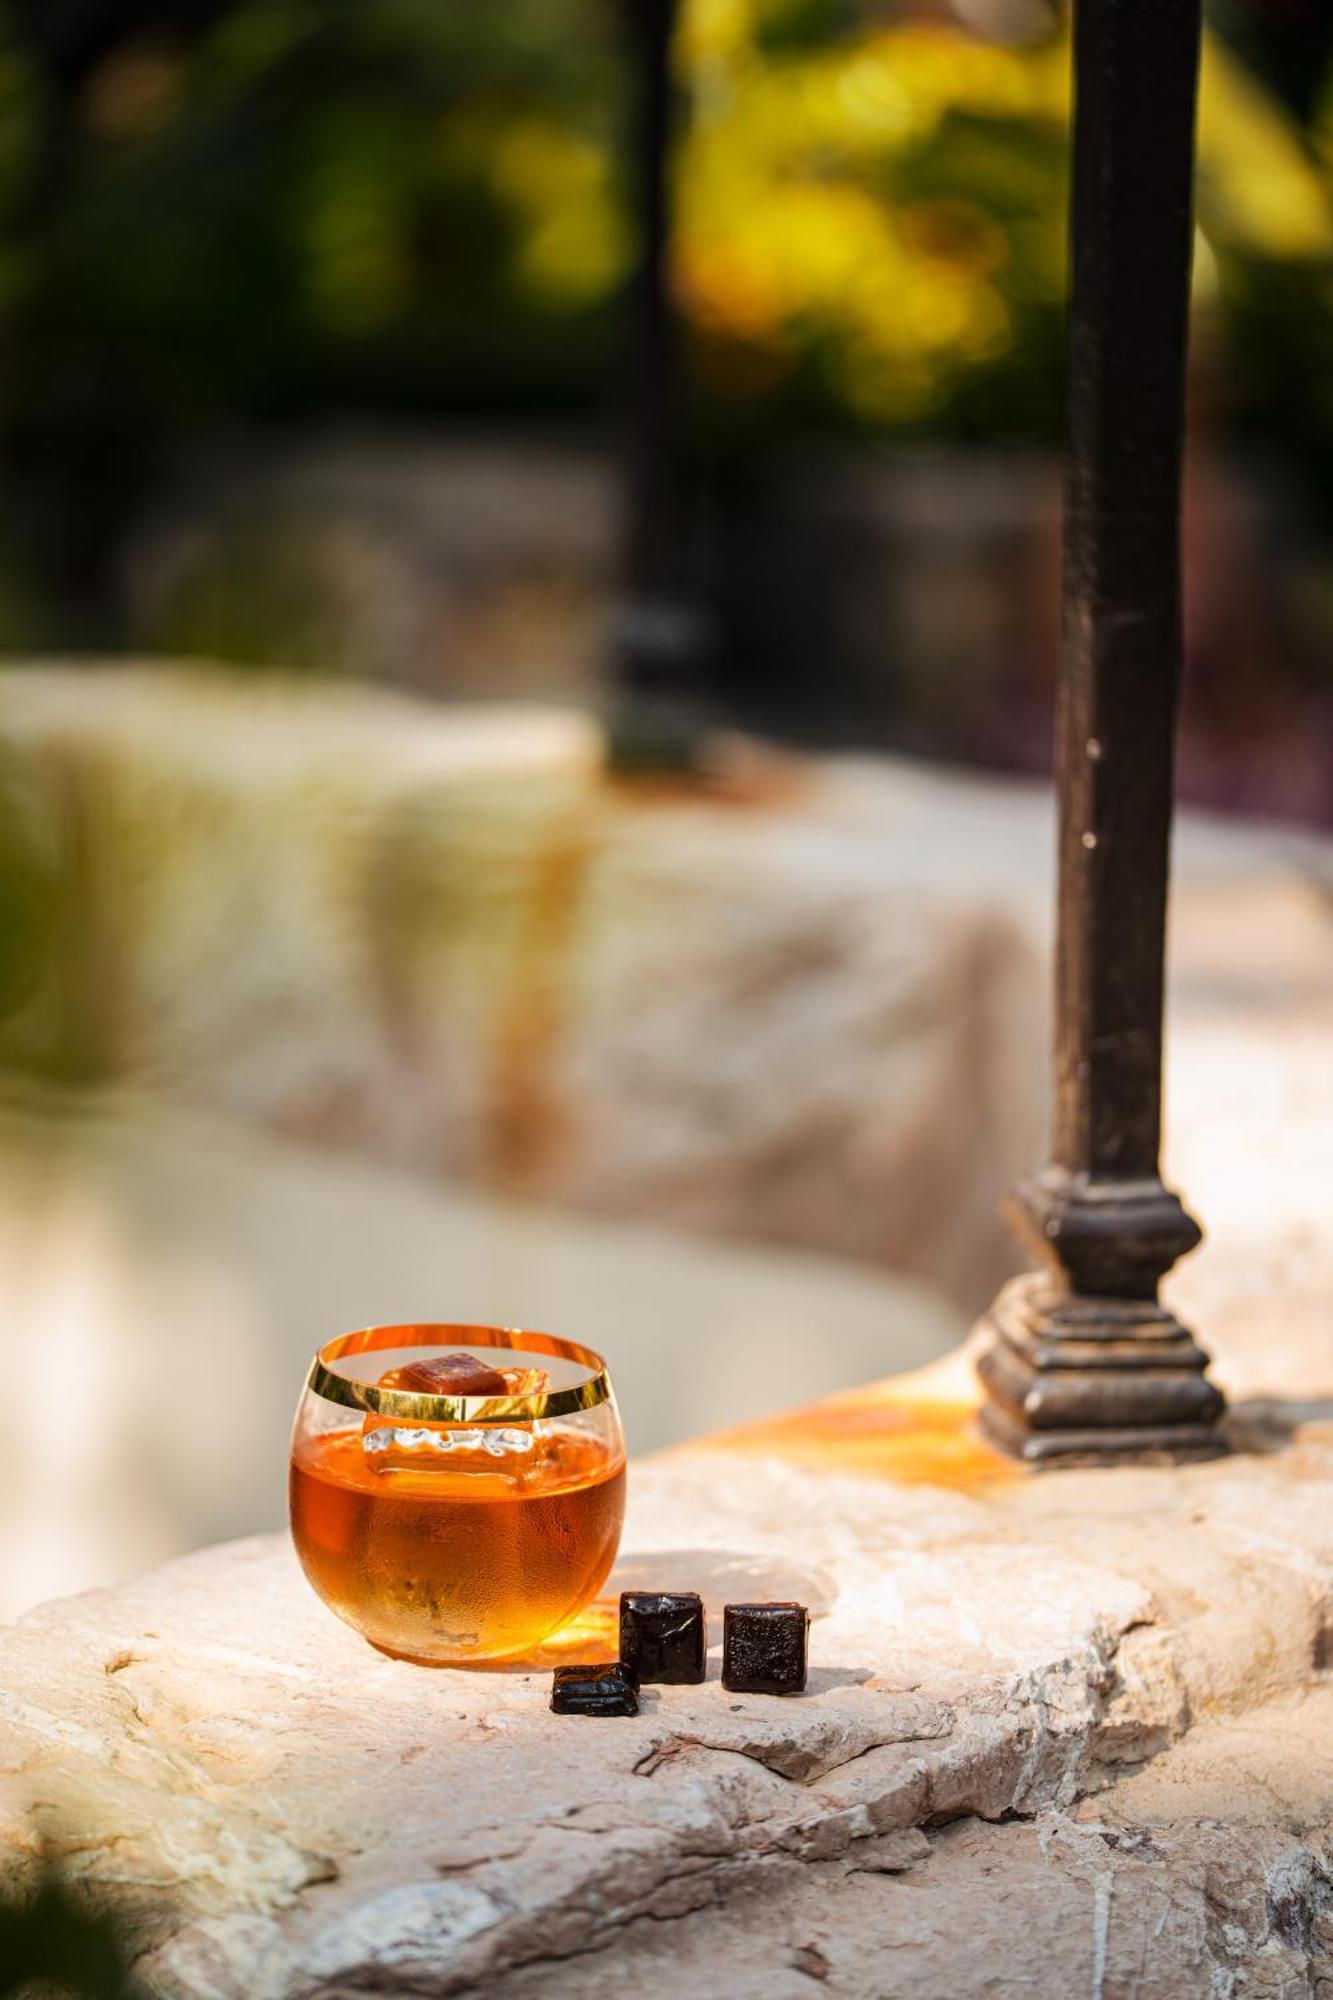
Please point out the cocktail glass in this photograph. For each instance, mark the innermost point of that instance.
(456, 1528)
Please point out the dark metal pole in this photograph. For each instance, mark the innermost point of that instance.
(1085, 1364)
(660, 638)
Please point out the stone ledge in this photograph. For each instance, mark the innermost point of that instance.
(281, 1813)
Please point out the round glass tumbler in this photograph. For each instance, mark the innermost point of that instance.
(457, 1492)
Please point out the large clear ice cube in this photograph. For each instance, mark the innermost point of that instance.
(420, 1444)
(427, 1446)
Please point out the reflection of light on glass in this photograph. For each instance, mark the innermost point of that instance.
(419, 1442)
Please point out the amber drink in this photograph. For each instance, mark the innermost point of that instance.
(457, 1492)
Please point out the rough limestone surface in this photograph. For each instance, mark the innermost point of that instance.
(1071, 1735)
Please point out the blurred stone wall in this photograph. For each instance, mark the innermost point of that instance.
(443, 939)
(466, 567)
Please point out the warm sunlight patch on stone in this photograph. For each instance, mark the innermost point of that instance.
(919, 1429)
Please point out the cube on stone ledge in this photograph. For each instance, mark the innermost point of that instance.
(663, 1635)
(764, 1648)
(610, 1688)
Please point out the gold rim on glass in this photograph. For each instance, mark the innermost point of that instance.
(417, 1406)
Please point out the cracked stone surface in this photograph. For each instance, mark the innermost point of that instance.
(1063, 1735)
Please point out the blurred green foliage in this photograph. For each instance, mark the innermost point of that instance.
(223, 210)
(412, 204)
(312, 199)
(52, 1945)
(58, 1015)
(29, 896)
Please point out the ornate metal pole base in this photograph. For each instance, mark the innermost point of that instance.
(1087, 1381)
(1085, 1366)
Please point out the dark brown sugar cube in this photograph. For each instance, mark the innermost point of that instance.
(764, 1648)
(663, 1636)
(447, 1375)
(607, 1689)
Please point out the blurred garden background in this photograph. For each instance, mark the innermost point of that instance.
(336, 982)
(311, 354)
